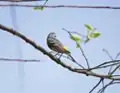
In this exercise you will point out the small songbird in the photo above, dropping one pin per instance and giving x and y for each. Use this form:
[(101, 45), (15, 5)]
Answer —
[(55, 45)]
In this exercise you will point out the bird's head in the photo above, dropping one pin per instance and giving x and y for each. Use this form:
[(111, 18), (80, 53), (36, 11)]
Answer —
[(52, 35)]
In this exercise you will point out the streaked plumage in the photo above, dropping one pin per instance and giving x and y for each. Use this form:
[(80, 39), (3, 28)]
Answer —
[(54, 44)]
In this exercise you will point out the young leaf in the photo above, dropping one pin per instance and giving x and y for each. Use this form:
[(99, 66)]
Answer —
[(75, 37), (39, 8), (88, 26), (95, 34)]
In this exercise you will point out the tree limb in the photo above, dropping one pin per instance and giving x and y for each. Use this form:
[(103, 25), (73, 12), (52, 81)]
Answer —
[(19, 60), (62, 6), (56, 60)]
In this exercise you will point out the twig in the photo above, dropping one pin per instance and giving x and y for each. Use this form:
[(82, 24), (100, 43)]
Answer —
[(108, 54), (104, 63), (73, 60), (115, 69), (111, 59), (84, 57), (19, 60), (102, 89), (104, 66), (117, 55), (73, 32), (103, 85), (110, 83), (96, 85), (63, 6), (69, 32), (20, 0)]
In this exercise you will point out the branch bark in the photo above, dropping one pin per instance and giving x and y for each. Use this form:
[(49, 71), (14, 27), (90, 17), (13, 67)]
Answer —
[(62, 6), (19, 60), (20, 0)]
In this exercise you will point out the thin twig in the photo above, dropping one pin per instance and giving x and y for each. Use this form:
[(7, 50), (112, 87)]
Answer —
[(110, 83), (103, 85), (104, 63), (111, 59), (63, 6), (84, 57), (102, 89), (104, 66), (21, 0), (73, 32), (96, 85), (108, 54), (117, 55), (19, 60), (115, 69), (69, 32)]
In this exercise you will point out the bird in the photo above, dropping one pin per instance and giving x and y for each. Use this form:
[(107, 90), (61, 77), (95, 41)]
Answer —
[(57, 46)]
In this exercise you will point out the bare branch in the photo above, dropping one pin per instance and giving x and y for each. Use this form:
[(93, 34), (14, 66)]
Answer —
[(96, 85), (103, 85), (19, 60), (108, 54), (103, 88), (73, 32), (117, 67), (20, 0), (110, 83), (63, 6), (84, 57), (117, 55), (105, 64)]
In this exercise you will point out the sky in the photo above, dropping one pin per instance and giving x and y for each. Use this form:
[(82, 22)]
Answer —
[(47, 76)]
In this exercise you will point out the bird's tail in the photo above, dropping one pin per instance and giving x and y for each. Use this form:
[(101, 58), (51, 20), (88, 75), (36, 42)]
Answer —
[(75, 61)]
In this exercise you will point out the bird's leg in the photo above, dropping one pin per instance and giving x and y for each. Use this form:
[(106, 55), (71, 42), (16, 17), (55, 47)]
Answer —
[(68, 57), (56, 54), (60, 55)]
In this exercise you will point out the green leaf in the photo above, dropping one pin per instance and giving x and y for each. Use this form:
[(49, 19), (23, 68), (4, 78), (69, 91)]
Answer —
[(39, 8), (88, 26), (95, 34), (75, 37)]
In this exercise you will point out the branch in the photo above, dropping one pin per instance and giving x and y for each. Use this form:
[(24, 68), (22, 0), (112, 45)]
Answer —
[(108, 54), (110, 83), (56, 60), (20, 0), (117, 55), (115, 69), (84, 57), (101, 79), (62, 6), (19, 60), (106, 64)]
